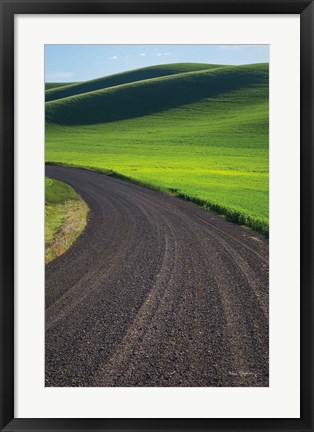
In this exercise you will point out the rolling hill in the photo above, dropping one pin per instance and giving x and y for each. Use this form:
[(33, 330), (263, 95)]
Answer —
[(124, 78), (53, 85), (199, 131), (148, 96)]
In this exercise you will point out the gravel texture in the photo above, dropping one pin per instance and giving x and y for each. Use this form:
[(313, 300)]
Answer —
[(155, 292)]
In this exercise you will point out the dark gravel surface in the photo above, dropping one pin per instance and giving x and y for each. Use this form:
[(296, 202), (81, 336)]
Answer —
[(155, 292)]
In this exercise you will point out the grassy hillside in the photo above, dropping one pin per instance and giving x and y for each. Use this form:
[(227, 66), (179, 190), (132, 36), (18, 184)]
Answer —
[(124, 78), (51, 85), (202, 135), (65, 217), (153, 95)]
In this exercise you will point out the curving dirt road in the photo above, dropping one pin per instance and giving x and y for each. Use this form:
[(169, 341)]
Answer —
[(155, 292)]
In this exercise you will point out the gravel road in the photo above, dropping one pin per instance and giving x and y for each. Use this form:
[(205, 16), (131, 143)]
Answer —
[(155, 292)]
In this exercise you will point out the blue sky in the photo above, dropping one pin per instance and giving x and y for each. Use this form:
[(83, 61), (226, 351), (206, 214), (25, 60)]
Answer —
[(66, 63)]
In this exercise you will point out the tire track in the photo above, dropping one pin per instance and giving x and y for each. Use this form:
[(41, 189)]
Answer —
[(155, 292)]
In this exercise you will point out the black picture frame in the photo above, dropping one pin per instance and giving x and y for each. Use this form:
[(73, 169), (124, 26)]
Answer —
[(7, 11)]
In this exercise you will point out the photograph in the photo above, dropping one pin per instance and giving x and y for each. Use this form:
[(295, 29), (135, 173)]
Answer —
[(156, 215), (156, 201)]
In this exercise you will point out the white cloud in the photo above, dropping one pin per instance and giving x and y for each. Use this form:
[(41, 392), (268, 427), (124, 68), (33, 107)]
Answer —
[(159, 54), (142, 55), (113, 58), (167, 54), (164, 54), (59, 76)]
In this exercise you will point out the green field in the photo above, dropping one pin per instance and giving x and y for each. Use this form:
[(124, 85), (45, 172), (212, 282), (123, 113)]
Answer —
[(65, 217), (201, 133)]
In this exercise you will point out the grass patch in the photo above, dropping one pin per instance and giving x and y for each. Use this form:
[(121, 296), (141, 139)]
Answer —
[(202, 136), (65, 218)]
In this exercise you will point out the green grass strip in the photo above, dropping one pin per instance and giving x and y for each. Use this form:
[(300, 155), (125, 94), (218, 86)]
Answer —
[(65, 218), (232, 215)]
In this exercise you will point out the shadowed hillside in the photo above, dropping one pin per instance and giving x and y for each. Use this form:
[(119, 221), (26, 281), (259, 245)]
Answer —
[(54, 85), (124, 78), (153, 95)]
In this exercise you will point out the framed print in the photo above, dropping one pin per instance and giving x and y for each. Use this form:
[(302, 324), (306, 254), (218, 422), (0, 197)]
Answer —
[(156, 208)]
